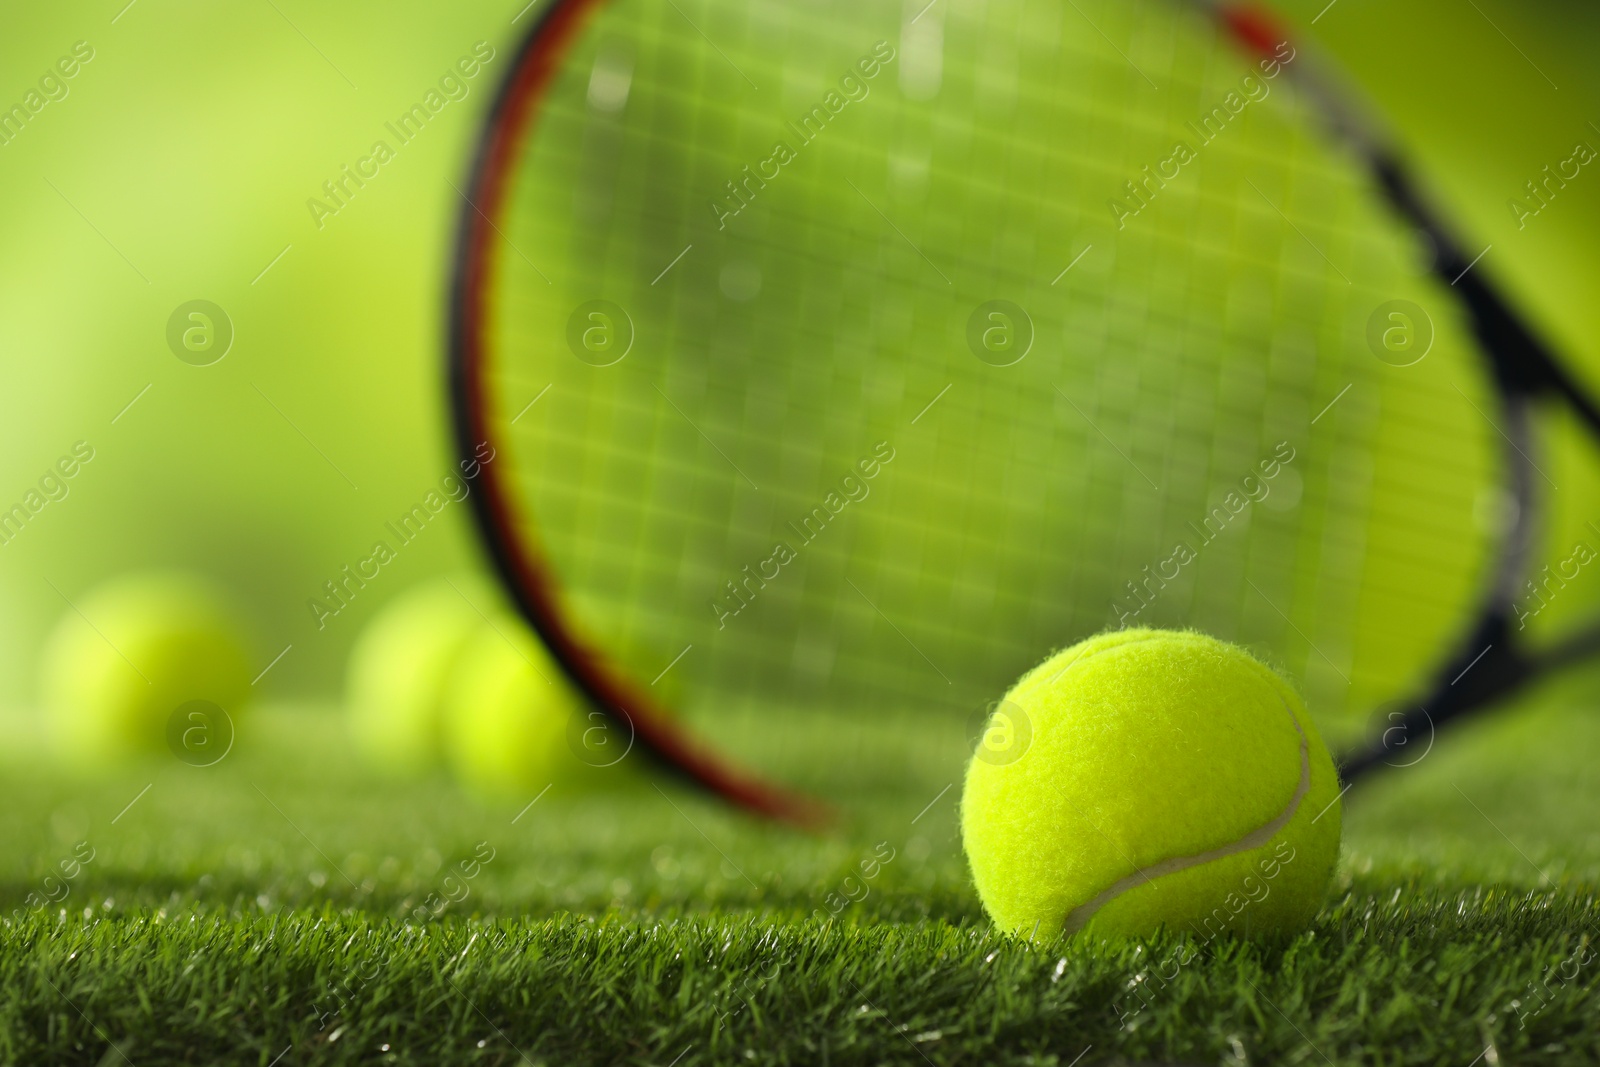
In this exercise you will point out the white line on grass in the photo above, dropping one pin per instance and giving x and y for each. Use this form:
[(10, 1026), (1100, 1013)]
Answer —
[(931, 803), (1290, 1021), (1332, 402), (269, 266), (131, 803), (303, 834), (671, 665), (674, 263), (1474, 263), (1331, 803), (130, 403), (932, 402), (702, 833), (271, 665), (531, 803), (1074, 263), (1543, 877), (530, 404), (1471, 665)]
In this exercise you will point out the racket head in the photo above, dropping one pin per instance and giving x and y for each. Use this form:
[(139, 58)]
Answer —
[(845, 362)]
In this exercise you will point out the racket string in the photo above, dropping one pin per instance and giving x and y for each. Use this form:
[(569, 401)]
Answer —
[(786, 342)]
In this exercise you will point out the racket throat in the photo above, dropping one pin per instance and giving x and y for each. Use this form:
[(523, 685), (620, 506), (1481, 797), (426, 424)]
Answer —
[(1488, 667)]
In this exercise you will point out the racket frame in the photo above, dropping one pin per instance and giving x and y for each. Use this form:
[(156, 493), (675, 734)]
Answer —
[(524, 571), (1486, 664)]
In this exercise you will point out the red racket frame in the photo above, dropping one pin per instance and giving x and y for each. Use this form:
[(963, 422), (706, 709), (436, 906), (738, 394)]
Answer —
[(526, 572)]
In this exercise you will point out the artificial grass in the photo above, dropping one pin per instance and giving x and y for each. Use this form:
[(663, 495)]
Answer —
[(266, 910), (1415, 976)]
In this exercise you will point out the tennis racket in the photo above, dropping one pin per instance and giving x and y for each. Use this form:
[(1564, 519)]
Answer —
[(843, 360)]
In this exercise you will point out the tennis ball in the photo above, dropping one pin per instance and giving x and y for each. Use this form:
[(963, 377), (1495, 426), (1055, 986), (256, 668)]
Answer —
[(1145, 779), (149, 662), (511, 717), (400, 669)]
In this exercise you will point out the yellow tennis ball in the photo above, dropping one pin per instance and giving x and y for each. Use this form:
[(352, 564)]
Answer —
[(400, 670), (512, 720), (1145, 779), (148, 663)]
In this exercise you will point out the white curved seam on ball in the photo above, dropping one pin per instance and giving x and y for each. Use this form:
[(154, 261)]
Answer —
[(1079, 916)]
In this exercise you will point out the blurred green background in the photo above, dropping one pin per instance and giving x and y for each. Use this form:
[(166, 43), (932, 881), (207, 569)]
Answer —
[(179, 166)]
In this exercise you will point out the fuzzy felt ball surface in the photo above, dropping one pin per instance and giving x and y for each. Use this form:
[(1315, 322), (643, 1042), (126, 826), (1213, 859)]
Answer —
[(1148, 779)]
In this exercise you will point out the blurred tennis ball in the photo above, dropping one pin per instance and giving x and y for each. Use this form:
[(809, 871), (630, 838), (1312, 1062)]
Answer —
[(514, 724), (147, 662), (1145, 779), (400, 669)]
